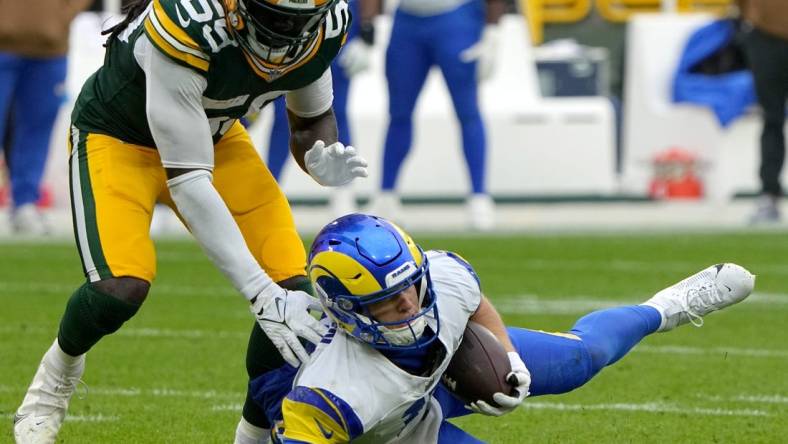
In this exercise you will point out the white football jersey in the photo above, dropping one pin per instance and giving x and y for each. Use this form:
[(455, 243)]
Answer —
[(390, 405)]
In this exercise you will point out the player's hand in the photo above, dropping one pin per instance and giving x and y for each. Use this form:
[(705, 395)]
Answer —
[(484, 53), (520, 378), (283, 315), (354, 57), (334, 165)]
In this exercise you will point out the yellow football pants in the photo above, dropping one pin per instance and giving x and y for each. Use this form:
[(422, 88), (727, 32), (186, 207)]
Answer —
[(115, 186)]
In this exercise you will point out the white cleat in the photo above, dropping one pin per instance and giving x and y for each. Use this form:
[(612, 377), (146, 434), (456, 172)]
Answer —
[(28, 220), (481, 212), (42, 411), (710, 290), (341, 201), (386, 205)]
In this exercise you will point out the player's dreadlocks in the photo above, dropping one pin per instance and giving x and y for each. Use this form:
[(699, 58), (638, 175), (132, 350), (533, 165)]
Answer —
[(132, 9)]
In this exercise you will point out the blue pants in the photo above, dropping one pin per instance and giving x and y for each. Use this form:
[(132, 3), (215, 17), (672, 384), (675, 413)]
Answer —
[(31, 92), (417, 43), (559, 364)]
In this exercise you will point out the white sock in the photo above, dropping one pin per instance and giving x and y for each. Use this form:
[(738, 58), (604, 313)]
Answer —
[(247, 433), (60, 359)]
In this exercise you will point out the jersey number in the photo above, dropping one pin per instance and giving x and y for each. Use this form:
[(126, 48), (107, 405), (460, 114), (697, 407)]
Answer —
[(337, 20), (200, 11)]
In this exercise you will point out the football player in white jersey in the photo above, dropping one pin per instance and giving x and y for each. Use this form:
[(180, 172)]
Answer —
[(397, 315)]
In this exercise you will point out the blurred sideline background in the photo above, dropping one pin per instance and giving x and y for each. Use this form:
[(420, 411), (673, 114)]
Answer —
[(582, 131)]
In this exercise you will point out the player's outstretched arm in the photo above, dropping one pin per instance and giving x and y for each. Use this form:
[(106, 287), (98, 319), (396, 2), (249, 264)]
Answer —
[(519, 377), (183, 137), (313, 136)]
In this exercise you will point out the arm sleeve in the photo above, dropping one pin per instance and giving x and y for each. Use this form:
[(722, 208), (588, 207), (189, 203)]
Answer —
[(317, 416), (313, 99), (183, 138), (213, 226), (177, 120)]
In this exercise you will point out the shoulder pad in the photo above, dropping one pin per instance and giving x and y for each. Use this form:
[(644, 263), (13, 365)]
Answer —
[(316, 415), (464, 263), (188, 31), (338, 22)]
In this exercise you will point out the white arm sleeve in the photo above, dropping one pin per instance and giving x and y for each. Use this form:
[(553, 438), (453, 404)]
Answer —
[(211, 223), (176, 117), (183, 137), (313, 99)]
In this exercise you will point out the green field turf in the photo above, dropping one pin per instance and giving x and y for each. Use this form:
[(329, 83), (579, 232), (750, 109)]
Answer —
[(174, 373)]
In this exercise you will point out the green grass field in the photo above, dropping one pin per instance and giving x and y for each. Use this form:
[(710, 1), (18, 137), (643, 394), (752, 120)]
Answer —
[(175, 372)]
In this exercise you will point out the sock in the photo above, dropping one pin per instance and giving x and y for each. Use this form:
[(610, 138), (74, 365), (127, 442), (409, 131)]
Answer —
[(60, 359), (247, 433), (90, 315)]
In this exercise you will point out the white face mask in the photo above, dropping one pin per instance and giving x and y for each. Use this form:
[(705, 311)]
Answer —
[(274, 55), (403, 335)]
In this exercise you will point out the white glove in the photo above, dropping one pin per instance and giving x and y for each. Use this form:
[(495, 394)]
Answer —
[(282, 315), (334, 165), (354, 57), (484, 52), (520, 377)]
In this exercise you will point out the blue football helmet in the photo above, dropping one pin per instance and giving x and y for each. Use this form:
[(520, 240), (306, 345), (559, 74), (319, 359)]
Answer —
[(359, 260)]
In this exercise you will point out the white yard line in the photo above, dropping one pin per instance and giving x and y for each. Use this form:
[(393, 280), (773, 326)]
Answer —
[(189, 334), (516, 303), (759, 399), (645, 407), (77, 418), (223, 334), (155, 392), (717, 350), (579, 304), (227, 407)]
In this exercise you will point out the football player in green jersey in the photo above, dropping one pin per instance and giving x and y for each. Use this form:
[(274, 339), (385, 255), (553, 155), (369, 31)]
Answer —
[(158, 122)]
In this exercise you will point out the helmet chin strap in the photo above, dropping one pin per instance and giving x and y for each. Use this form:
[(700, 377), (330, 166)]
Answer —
[(406, 334)]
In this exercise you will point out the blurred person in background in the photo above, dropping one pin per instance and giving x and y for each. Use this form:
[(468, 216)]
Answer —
[(765, 24), (34, 37), (461, 38), (353, 58)]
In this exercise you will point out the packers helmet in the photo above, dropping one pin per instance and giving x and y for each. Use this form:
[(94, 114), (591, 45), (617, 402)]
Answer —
[(359, 260), (276, 33)]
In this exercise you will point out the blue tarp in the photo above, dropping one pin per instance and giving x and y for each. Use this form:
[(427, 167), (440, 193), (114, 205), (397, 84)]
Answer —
[(727, 94)]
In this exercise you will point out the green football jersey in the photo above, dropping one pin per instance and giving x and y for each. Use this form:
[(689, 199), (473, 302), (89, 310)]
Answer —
[(194, 33)]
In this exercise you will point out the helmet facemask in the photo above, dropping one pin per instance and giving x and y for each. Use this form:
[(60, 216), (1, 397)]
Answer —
[(353, 312), (275, 35)]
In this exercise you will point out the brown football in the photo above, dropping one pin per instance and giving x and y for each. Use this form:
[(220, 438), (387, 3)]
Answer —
[(479, 367)]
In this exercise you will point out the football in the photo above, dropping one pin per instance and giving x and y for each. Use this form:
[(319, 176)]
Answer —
[(479, 367)]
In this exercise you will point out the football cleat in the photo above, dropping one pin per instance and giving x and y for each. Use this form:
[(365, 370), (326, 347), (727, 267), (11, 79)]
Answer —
[(28, 220), (481, 212), (712, 289), (41, 414), (386, 205)]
